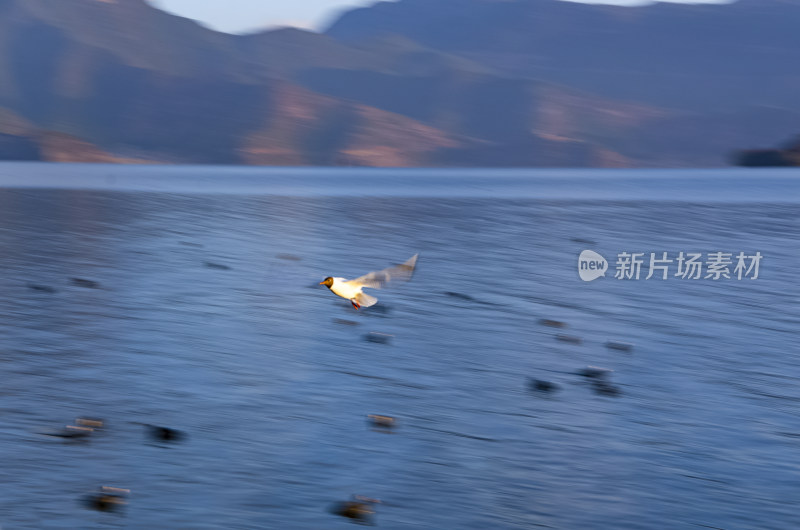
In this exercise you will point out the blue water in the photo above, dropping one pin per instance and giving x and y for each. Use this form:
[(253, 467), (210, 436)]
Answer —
[(271, 376), (701, 185)]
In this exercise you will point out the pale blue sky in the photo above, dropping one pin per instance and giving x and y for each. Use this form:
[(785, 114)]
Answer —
[(239, 16)]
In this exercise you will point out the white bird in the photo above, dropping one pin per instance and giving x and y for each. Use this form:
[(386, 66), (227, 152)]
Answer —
[(351, 289)]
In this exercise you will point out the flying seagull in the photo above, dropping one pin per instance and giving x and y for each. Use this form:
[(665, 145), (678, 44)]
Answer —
[(351, 289)]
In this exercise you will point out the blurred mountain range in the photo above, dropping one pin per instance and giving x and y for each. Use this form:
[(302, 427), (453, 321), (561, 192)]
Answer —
[(413, 82)]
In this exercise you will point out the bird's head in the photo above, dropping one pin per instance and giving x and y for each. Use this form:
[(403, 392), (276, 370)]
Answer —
[(327, 282)]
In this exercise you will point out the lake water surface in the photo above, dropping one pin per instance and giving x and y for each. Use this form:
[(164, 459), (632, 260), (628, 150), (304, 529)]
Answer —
[(207, 317)]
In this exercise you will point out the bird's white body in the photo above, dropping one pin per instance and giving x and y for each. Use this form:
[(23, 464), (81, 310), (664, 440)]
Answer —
[(352, 289), (345, 289)]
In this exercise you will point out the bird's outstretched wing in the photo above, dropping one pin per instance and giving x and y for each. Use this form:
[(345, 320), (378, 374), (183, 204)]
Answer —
[(365, 300), (398, 273)]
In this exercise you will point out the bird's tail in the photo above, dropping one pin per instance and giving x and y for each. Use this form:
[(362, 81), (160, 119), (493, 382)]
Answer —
[(365, 300)]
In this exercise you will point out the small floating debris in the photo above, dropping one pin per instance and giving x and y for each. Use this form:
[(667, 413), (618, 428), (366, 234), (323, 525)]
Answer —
[(571, 339), (378, 337), (218, 266), (595, 372), (107, 499), (600, 380), (83, 282), (382, 422), (289, 257), (460, 296), (552, 323), (344, 322), (72, 432), (619, 346), (359, 509), (81, 431), (93, 423), (164, 434), (41, 288), (540, 385)]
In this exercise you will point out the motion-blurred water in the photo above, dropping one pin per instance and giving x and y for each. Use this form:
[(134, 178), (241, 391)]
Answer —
[(271, 376)]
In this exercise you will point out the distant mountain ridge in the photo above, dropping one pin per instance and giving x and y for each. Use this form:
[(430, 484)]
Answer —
[(787, 156), (685, 55), (20, 140), (414, 82)]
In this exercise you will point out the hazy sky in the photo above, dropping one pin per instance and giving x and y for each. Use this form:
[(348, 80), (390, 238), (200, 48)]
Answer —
[(237, 16)]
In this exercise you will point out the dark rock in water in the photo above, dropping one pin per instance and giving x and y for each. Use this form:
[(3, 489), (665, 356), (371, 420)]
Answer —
[(104, 503), (460, 296), (73, 432), (594, 372), (107, 499), (540, 385), (377, 337), (83, 282), (552, 323), (571, 339), (344, 322), (619, 346), (604, 388), (218, 266), (42, 288), (164, 434), (599, 378), (381, 422), (359, 509), (289, 257)]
